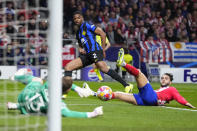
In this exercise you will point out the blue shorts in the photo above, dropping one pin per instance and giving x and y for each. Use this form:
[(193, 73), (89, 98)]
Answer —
[(146, 96)]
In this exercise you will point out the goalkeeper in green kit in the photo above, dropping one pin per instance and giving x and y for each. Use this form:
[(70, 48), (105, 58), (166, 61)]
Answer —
[(34, 97)]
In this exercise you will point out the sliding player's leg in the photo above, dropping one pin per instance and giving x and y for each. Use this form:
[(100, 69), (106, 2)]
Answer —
[(139, 76), (146, 95), (126, 97), (104, 68)]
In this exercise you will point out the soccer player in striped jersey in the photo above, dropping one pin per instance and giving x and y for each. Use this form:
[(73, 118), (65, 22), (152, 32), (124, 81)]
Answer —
[(98, 39), (34, 97), (91, 51), (147, 96)]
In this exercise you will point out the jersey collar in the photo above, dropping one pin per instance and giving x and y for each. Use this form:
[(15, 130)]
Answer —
[(82, 25)]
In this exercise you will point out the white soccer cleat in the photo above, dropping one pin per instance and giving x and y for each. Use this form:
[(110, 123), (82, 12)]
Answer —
[(99, 110), (12, 106)]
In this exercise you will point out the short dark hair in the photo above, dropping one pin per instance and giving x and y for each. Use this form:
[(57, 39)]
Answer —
[(78, 12), (170, 75), (66, 83)]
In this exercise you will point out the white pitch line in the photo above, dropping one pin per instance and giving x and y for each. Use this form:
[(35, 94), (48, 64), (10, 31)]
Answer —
[(175, 108), (82, 104)]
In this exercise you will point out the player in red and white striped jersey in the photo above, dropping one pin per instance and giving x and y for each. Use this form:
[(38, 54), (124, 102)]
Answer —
[(147, 96)]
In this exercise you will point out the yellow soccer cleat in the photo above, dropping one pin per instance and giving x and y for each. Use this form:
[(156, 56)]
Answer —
[(129, 88), (120, 57)]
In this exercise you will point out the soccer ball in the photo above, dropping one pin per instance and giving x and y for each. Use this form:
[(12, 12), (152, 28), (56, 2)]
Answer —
[(104, 93)]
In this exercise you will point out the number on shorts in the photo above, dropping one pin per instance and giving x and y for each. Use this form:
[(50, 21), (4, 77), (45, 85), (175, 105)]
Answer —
[(95, 56)]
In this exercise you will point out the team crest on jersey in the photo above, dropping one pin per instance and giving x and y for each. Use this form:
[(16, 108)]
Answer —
[(83, 33)]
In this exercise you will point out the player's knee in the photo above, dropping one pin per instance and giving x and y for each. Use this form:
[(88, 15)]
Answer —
[(67, 68), (103, 68), (140, 72)]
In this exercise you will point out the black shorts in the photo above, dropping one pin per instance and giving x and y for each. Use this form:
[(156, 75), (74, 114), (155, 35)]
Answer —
[(92, 57)]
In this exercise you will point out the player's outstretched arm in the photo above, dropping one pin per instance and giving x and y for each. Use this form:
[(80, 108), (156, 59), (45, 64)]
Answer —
[(190, 105), (69, 113), (85, 91), (108, 44), (12, 106), (180, 99)]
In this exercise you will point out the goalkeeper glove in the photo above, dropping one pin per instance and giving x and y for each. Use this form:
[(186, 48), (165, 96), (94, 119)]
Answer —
[(97, 112)]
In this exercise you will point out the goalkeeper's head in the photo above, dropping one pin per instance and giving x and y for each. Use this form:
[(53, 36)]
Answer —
[(66, 84)]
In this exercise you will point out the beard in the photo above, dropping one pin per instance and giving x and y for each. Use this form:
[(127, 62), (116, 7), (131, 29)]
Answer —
[(166, 85)]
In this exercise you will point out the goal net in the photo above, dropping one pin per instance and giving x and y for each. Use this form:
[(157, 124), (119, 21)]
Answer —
[(23, 43)]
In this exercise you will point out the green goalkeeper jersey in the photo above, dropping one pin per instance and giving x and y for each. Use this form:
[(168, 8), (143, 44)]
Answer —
[(34, 99)]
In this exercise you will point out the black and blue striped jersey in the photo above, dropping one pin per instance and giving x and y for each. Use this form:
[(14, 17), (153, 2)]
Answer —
[(87, 38)]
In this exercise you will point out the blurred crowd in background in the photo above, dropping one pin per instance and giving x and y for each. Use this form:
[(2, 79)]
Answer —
[(174, 20), (23, 32), (25, 22)]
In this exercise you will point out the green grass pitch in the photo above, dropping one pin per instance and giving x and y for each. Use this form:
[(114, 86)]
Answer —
[(118, 116)]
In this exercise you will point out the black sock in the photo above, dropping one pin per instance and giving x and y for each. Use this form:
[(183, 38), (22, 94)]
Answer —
[(68, 73), (115, 76)]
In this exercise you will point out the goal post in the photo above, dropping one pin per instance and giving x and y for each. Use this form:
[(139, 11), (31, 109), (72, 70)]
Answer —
[(55, 64), (30, 34)]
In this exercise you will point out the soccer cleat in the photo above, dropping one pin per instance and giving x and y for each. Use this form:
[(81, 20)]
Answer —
[(100, 81), (120, 60), (129, 88), (12, 106), (86, 86)]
